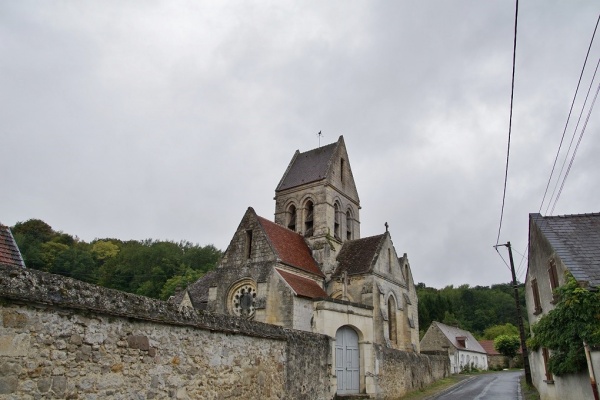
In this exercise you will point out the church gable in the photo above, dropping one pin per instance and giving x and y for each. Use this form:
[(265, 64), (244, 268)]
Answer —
[(249, 243)]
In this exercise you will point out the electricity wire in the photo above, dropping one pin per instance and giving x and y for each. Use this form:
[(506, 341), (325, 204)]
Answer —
[(576, 148), (569, 115), (512, 92), (572, 139)]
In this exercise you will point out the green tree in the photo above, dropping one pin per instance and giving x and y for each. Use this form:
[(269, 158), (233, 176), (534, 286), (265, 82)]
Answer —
[(574, 320), (507, 345), (494, 331), (179, 282)]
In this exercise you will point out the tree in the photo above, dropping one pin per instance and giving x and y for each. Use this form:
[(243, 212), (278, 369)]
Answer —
[(179, 282), (507, 345), (574, 320), (494, 331)]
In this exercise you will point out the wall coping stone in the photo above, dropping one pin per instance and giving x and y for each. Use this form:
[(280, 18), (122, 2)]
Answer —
[(38, 287)]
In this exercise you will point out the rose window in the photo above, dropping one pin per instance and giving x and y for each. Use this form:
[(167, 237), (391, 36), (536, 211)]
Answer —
[(243, 301)]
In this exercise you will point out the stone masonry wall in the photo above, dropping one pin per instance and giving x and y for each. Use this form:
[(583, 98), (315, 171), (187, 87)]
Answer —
[(65, 339), (61, 338), (403, 372)]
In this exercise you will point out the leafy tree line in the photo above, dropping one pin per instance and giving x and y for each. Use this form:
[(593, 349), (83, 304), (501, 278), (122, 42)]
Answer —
[(485, 311), (150, 267)]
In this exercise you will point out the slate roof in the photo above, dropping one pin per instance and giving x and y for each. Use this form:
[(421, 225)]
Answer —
[(358, 256), (452, 332), (198, 291), (9, 252), (303, 287), (310, 166), (290, 247), (576, 240)]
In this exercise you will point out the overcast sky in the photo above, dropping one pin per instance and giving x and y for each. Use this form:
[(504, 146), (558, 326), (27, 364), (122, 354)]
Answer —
[(167, 119)]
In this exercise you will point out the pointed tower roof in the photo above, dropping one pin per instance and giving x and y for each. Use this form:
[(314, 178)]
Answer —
[(359, 256), (316, 165)]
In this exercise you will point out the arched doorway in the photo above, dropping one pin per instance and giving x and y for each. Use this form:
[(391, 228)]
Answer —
[(347, 361)]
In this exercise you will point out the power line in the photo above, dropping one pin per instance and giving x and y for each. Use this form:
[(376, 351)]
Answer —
[(572, 139), (576, 147), (569, 116), (512, 92)]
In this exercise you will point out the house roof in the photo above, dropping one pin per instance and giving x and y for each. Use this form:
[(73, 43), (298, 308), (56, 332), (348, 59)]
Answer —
[(290, 247), (9, 252), (488, 346), (310, 166), (303, 287), (453, 333), (576, 240), (358, 256)]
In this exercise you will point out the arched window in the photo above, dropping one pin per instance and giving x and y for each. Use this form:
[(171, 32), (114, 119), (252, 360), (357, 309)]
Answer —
[(392, 325), (291, 217), (308, 218), (336, 221), (348, 225)]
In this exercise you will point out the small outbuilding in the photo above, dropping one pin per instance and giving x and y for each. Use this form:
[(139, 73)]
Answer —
[(464, 350)]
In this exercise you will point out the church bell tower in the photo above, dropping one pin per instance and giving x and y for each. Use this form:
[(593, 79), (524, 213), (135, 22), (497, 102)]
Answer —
[(317, 198)]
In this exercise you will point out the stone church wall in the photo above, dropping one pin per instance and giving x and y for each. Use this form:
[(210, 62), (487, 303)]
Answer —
[(61, 338)]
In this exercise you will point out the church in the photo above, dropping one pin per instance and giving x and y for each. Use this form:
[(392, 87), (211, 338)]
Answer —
[(311, 270)]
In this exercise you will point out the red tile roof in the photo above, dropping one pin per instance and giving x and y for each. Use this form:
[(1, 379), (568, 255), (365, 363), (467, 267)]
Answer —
[(290, 247), (488, 346), (302, 286), (9, 252)]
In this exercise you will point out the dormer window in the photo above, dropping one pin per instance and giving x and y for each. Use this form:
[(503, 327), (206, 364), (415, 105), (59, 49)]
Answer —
[(308, 219), (462, 341)]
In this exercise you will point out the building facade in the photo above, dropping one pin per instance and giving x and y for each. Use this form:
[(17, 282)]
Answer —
[(311, 270), (557, 245), (464, 351)]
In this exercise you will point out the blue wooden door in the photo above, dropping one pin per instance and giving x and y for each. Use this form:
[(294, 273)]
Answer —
[(347, 361)]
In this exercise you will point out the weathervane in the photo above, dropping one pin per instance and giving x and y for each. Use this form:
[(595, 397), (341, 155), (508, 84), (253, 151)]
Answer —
[(319, 135)]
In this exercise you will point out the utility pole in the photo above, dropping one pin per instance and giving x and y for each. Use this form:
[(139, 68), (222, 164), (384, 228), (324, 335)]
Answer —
[(519, 316)]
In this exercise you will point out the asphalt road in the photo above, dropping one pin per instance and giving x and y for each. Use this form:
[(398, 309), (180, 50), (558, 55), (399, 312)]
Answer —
[(496, 386)]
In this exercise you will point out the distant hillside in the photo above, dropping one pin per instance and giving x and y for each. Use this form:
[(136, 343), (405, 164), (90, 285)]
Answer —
[(475, 309), (150, 268)]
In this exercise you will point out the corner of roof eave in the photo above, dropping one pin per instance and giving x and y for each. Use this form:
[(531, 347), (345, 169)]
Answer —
[(287, 170)]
